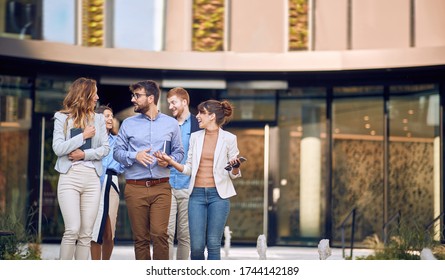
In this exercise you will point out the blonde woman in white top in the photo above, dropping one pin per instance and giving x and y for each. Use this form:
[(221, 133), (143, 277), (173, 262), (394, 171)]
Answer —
[(79, 163)]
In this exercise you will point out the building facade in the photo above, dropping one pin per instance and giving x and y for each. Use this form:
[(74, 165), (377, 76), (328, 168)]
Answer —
[(338, 103)]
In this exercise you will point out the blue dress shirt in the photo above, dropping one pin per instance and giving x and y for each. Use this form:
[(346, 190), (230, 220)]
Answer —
[(139, 133), (178, 180), (108, 162)]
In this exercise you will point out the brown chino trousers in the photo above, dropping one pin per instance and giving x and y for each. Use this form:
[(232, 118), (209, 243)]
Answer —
[(149, 212)]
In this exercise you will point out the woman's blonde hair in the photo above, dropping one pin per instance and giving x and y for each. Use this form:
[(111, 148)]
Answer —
[(78, 103)]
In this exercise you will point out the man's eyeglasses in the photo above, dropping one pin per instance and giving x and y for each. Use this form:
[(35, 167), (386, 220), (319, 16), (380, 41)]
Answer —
[(137, 95)]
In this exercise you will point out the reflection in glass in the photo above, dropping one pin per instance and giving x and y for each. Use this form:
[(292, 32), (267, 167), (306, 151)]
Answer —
[(246, 211), (298, 187), (144, 32), (15, 122), (414, 165), (357, 163), (50, 93), (358, 119), (252, 104), (21, 19), (59, 21)]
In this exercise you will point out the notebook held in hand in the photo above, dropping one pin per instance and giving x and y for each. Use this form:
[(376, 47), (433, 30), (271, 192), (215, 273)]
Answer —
[(167, 147), (87, 144)]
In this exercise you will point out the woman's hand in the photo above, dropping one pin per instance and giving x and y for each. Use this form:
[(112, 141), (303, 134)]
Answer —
[(163, 158), (234, 165), (76, 155), (89, 132), (162, 162)]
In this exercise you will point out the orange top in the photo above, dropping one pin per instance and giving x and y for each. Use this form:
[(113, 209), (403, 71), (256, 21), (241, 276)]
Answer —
[(204, 176)]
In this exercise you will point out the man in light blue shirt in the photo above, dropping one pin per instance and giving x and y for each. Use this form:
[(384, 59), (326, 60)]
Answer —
[(147, 190), (178, 102)]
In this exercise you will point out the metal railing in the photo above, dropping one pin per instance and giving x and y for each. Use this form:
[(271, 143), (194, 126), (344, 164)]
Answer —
[(390, 221), (429, 225), (6, 233), (342, 227)]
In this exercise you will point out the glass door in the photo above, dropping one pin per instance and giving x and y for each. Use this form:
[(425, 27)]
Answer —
[(255, 109), (246, 218), (50, 92), (50, 218), (298, 167)]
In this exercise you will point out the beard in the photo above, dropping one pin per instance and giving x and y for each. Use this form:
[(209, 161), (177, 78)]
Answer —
[(141, 109), (178, 112)]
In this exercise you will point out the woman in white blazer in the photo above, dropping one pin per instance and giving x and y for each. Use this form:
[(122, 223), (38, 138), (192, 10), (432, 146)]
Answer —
[(80, 141), (210, 151)]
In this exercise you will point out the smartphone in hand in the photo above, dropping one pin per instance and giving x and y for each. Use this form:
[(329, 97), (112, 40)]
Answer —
[(236, 165)]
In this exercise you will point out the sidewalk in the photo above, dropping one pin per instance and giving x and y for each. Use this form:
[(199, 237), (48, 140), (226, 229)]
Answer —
[(125, 252)]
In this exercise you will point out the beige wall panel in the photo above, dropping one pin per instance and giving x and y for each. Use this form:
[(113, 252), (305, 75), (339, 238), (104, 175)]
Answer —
[(258, 25), (223, 61), (429, 23), (178, 29), (331, 25), (380, 24)]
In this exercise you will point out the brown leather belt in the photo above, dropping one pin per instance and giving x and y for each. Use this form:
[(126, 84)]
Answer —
[(147, 182)]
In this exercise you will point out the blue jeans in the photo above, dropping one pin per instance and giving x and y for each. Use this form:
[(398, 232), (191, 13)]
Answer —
[(208, 214)]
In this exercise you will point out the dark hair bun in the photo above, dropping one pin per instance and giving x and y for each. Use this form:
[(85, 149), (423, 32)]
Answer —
[(227, 108)]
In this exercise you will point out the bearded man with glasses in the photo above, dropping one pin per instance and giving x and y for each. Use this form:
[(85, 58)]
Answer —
[(147, 190)]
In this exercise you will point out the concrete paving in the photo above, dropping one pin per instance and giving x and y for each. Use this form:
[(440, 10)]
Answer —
[(125, 252)]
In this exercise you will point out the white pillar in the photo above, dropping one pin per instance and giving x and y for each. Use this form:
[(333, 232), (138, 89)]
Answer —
[(310, 184), (437, 187)]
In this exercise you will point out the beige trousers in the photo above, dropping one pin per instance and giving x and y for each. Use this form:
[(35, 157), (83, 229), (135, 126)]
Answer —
[(179, 224), (78, 194)]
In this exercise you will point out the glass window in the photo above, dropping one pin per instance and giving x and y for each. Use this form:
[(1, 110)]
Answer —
[(20, 19), (50, 93), (358, 118), (252, 104), (59, 21), (357, 161), (288, 111), (15, 102), (414, 149), (300, 164), (15, 122), (139, 25), (357, 90), (414, 111)]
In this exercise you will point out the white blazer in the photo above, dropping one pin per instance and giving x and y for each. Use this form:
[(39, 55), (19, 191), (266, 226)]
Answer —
[(63, 144), (226, 149)]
